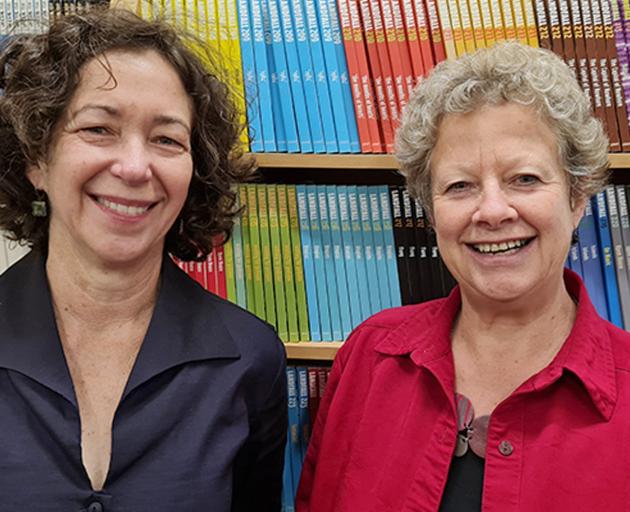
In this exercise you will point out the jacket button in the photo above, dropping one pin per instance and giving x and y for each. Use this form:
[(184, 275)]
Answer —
[(95, 506), (505, 448)]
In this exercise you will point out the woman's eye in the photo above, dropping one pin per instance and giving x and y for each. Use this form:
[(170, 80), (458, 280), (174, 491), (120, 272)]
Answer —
[(96, 130), (458, 186), (163, 140), (527, 179)]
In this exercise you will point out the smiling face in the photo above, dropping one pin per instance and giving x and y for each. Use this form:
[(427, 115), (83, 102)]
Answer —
[(120, 161), (502, 211)]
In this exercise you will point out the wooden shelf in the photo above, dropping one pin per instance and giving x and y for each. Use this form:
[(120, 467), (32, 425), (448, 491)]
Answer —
[(380, 162), (313, 350)]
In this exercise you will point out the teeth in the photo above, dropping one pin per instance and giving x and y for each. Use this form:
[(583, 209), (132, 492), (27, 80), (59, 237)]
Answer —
[(131, 211), (497, 248)]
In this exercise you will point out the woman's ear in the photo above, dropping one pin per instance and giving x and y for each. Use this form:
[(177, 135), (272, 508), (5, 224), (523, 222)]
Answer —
[(578, 205), (36, 174)]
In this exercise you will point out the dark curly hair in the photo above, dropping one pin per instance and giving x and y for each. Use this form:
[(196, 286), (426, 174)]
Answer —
[(39, 75)]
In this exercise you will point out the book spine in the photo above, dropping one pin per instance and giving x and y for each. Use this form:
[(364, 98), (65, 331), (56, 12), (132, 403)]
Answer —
[(416, 286), (294, 72), (293, 333), (395, 58), (390, 247), (401, 245), (428, 276), (286, 99), (255, 247), (607, 259), (619, 253), (456, 26), (580, 50), (333, 74), (438, 39), (369, 93), (413, 41), (591, 266), (265, 253), (497, 21), (308, 77), (263, 75), (424, 34), (275, 245), (329, 263), (248, 260), (293, 408), (624, 222), (305, 423), (249, 78), (379, 246), (221, 277), (300, 270), (467, 26), (544, 38), (321, 77), (508, 19), (288, 487), (313, 399), (384, 90), (339, 262), (348, 254), (359, 253), (374, 287), (355, 75), (308, 262), (530, 23), (477, 24), (348, 103), (239, 262), (622, 53), (403, 45), (519, 22), (486, 20)]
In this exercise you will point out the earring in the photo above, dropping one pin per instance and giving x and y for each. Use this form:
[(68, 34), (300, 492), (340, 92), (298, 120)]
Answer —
[(38, 206)]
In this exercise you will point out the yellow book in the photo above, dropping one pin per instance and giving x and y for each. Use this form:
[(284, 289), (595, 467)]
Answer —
[(486, 20), (467, 26), (530, 23), (477, 23), (497, 20), (508, 19), (519, 21), (447, 29), (456, 25)]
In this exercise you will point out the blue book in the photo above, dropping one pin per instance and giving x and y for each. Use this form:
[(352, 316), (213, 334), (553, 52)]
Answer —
[(348, 102), (359, 252), (317, 245), (305, 420), (308, 77), (379, 247), (307, 262), (575, 259), (295, 78), (390, 247), (288, 487), (591, 266), (249, 78), (263, 80), (348, 253), (607, 258), (333, 75), (294, 424), (374, 288), (329, 264), (340, 263), (282, 77)]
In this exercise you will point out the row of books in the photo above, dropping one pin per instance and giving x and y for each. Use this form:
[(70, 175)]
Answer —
[(305, 389), (602, 254), (316, 260)]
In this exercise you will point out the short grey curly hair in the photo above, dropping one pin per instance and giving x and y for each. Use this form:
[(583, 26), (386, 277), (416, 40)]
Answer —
[(508, 72)]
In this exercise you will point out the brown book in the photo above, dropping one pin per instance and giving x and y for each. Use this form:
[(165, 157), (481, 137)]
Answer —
[(612, 63), (604, 70), (593, 62), (555, 28), (542, 22)]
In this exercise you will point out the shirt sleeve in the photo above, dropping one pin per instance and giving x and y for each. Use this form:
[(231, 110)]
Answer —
[(258, 471)]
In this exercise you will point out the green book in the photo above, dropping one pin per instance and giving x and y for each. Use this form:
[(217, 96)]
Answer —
[(276, 263), (228, 268), (254, 247), (239, 264), (265, 253), (287, 263), (298, 268), (247, 252)]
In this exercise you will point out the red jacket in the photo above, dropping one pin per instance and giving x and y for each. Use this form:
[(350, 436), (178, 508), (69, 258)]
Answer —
[(386, 430)]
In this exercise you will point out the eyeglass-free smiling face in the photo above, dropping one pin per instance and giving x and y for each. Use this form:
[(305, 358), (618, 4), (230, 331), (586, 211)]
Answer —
[(502, 211), (120, 162)]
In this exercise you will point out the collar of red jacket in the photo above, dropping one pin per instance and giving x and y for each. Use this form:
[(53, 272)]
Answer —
[(587, 353)]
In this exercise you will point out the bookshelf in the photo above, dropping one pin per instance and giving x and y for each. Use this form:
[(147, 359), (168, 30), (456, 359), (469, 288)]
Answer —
[(313, 350)]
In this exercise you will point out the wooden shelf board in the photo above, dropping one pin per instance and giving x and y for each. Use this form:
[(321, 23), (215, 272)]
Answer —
[(363, 161), (313, 350), (325, 161)]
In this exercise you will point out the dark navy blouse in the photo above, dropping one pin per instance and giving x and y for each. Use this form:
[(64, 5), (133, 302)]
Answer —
[(202, 420)]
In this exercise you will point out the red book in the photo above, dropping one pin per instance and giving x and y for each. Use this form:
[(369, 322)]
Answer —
[(423, 27), (413, 42), (322, 380), (394, 52), (355, 38), (437, 43), (389, 79), (313, 394), (211, 278), (354, 76), (221, 283)]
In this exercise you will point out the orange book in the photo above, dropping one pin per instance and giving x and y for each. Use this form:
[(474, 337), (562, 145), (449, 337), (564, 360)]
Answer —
[(437, 41), (371, 13), (413, 41), (393, 50), (355, 76), (404, 46), (424, 29)]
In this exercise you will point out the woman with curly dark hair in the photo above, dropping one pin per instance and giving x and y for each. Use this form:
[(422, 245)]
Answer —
[(125, 386)]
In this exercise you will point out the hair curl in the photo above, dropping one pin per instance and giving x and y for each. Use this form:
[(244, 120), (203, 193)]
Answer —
[(40, 74), (507, 72)]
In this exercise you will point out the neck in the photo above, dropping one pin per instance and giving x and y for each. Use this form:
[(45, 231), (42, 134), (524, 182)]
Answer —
[(88, 292)]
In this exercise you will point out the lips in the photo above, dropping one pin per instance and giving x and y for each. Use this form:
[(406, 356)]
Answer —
[(501, 247), (127, 209)]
